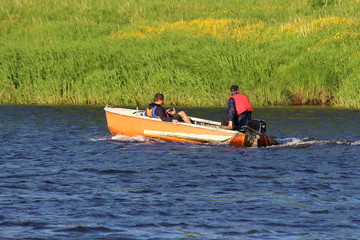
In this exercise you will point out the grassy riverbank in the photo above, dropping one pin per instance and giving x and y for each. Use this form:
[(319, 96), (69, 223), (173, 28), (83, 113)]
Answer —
[(279, 52)]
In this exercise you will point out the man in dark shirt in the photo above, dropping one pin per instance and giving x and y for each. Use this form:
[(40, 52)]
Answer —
[(156, 110)]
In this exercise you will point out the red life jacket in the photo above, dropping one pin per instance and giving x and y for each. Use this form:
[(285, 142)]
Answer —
[(242, 103)]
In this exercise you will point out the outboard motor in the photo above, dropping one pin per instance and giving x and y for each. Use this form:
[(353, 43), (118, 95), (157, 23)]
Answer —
[(257, 125)]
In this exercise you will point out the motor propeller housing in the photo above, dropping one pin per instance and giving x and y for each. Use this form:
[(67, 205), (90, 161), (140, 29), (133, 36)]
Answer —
[(257, 125)]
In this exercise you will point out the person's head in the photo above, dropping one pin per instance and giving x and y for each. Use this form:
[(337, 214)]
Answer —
[(159, 98), (234, 89)]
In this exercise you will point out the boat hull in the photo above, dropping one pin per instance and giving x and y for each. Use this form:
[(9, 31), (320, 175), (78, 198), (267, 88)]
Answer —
[(130, 122)]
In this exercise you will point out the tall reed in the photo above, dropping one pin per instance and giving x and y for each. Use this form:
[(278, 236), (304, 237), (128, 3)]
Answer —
[(123, 52)]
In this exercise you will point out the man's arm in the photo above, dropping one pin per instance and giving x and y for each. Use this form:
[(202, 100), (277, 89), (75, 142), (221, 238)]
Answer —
[(231, 109), (160, 111)]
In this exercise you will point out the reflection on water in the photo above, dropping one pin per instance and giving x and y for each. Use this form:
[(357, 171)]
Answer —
[(63, 176)]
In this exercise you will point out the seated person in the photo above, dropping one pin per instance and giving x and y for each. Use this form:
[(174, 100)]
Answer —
[(156, 110)]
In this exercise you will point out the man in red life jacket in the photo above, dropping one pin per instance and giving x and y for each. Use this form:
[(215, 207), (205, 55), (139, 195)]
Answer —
[(156, 110), (239, 110)]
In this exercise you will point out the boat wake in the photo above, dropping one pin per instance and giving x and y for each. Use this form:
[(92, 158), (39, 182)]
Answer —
[(98, 139), (123, 138), (308, 142), (282, 143)]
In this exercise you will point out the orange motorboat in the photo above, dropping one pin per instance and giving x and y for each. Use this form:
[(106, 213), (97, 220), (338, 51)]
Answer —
[(132, 122)]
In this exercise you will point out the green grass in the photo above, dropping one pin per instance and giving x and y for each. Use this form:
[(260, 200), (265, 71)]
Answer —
[(123, 52)]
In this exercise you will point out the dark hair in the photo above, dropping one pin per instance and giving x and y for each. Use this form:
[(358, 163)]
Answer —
[(158, 96), (234, 88)]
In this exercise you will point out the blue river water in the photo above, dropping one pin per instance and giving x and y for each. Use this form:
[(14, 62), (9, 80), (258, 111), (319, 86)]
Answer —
[(63, 176)]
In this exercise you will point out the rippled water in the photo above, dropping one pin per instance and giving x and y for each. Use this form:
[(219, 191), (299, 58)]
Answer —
[(63, 176)]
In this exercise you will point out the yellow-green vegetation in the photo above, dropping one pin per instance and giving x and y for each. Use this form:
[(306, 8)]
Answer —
[(121, 52)]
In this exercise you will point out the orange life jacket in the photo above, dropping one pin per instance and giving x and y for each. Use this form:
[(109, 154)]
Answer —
[(151, 112), (242, 103)]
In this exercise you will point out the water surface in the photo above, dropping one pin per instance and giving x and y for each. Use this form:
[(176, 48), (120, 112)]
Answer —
[(64, 177)]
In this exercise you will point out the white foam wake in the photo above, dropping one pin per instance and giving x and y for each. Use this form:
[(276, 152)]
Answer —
[(97, 139), (306, 142), (120, 138), (284, 142), (124, 138)]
